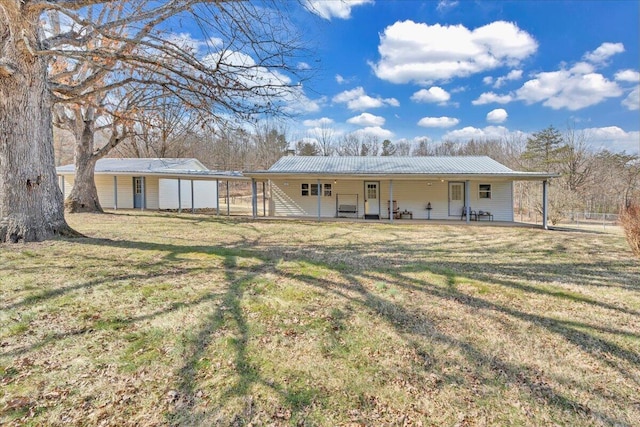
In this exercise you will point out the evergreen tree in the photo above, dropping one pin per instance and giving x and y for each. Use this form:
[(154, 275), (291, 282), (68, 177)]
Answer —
[(388, 148), (545, 150)]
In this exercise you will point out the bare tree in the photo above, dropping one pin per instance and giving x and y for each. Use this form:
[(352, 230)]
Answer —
[(422, 149), (325, 136), (271, 144), (246, 71)]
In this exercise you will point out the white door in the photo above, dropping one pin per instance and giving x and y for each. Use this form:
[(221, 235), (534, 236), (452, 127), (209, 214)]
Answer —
[(456, 198), (371, 198)]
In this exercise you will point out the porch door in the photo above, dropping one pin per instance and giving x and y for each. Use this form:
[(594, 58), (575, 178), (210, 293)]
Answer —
[(138, 192), (371, 198), (456, 198)]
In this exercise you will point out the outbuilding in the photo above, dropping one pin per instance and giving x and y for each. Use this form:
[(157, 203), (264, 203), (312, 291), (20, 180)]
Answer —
[(153, 183)]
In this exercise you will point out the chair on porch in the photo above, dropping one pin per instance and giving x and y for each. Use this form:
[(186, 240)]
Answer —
[(396, 209), (473, 216)]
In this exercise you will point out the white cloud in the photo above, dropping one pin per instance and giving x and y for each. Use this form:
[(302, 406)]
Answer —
[(339, 79), (392, 101), (422, 53), (433, 94), (513, 75), (614, 138), (487, 80), (375, 131), (603, 52), (329, 9), (499, 115), (297, 101), (303, 66), (444, 5), (632, 101), (272, 83), (489, 132), (631, 76), (324, 121), (572, 89), (356, 99), (490, 97), (438, 122), (367, 119)]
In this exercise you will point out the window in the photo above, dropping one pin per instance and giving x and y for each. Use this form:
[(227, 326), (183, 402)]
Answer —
[(315, 189), (372, 191), (484, 191)]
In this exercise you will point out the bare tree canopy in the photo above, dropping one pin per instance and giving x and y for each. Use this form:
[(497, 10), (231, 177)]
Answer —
[(110, 58)]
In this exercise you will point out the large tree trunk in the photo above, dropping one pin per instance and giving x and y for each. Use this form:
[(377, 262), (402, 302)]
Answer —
[(31, 207), (84, 194)]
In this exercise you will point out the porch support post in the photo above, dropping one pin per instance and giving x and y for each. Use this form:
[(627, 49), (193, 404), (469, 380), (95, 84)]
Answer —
[(193, 199), (228, 211), (115, 192), (179, 196), (264, 199), (254, 198), (467, 200), (545, 201), (319, 199), (391, 200), (217, 198), (61, 178)]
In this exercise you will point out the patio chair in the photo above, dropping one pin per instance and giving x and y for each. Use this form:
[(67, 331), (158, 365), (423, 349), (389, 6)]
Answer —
[(473, 216)]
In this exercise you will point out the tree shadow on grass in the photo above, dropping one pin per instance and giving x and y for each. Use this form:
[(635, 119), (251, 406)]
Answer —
[(226, 311), (413, 323)]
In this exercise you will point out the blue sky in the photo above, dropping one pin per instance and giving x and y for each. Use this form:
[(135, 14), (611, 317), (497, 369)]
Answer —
[(405, 70)]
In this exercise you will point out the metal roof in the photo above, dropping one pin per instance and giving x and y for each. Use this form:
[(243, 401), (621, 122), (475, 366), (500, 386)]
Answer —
[(386, 165), (169, 167), (396, 166), (142, 165)]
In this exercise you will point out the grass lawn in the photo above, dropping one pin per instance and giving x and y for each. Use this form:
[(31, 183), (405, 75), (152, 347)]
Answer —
[(159, 319)]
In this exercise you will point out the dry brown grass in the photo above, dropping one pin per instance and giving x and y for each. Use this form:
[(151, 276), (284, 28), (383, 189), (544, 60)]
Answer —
[(196, 320)]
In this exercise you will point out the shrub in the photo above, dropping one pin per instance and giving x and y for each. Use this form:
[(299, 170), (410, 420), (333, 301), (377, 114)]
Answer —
[(630, 220)]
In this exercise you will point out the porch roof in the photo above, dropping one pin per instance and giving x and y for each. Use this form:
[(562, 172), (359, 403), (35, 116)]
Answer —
[(396, 167), (188, 168)]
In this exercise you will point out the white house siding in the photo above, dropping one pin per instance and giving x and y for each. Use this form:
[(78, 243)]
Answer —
[(501, 203), (68, 184), (205, 194), (288, 200), (151, 190), (104, 185), (411, 195)]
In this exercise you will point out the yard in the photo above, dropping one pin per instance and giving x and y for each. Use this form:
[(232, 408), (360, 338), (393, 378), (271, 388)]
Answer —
[(200, 320)]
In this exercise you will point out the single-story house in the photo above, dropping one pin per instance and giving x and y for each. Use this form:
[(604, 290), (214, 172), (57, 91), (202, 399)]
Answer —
[(153, 183), (469, 188)]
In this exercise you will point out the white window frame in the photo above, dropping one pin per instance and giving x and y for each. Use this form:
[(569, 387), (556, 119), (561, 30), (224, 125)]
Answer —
[(312, 189), (484, 193), (327, 190)]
